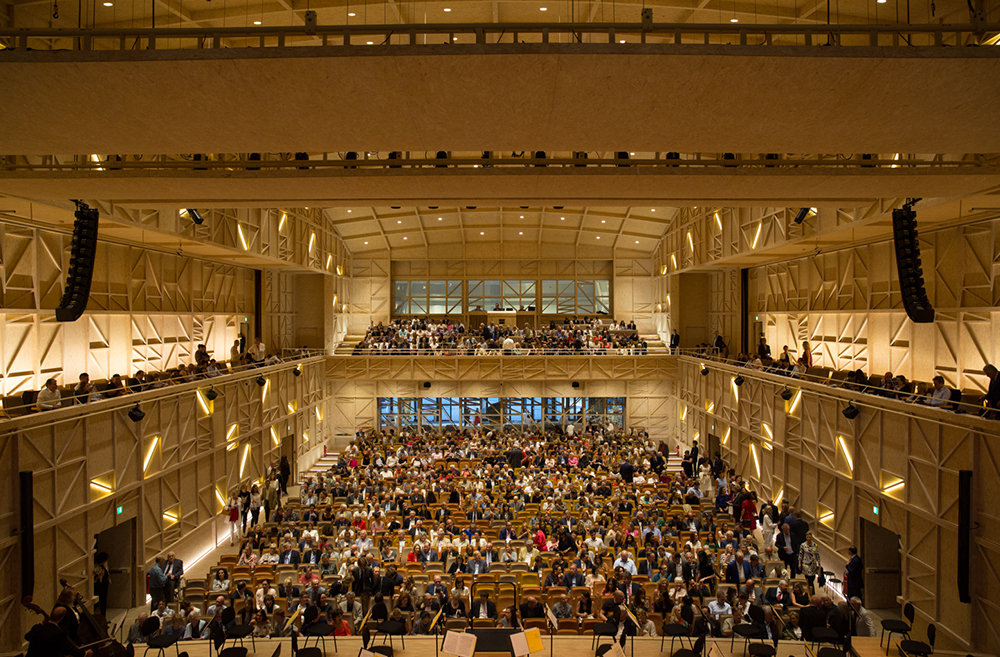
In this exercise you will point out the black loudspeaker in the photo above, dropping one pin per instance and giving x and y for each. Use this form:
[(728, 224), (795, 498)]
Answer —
[(911, 276), (310, 18), (964, 531), (351, 155), (539, 155), (395, 155), (198, 157), (442, 155), (253, 157), (83, 251), (865, 157), (576, 384), (621, 155), (27, 505), (647, 17), (427, 384), (729, 156)]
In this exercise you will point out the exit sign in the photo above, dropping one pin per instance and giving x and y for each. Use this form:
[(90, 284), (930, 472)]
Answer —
[(119, 510), (874, 510)]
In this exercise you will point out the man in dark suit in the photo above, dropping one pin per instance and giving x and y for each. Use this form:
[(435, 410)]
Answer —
[(442, 513), (788, 547), (992, 396), (627, 471), (311, 556), (514, 457), (675, 341), (289, 556), (811, 617), (474, 515), (733, 575), (778, 596), (629, 588), (436, 588), (363, 579), (649, 565), (531, 609), (574, 577), (173, 569), (484, 607), (477, 565)]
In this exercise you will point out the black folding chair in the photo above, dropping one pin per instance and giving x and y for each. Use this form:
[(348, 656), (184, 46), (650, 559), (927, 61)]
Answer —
[(236, 632), (318, 630), (893, 626), (159, 642)]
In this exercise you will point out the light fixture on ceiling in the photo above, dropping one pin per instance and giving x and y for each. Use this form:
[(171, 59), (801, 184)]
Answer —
[(348, 212), (652, 209), (734, 20), (399, 221), (440, 219), (405, 238), (562, 218), (482, 233), (598, 237), (371, 43), (622, 41), (366, 242), (351, 13), (544, 9), (520, 233), (454, 38), (109, 4), (602, 221), (522, 216), (256, 22), (637, 241), (447, 8)]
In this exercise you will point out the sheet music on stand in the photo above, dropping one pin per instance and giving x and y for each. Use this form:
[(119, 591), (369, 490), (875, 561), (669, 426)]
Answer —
[(526, 642), (552, 617), (459, 644), (616, 650), (435, 621)]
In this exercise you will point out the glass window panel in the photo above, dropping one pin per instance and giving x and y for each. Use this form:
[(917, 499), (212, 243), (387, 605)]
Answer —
[(418, 288), (437, 307), (402, 288), (437, 288), (454, 288), (418, 306), (549, 288)]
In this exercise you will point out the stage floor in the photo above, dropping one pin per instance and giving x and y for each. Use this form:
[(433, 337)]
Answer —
[(563, 646)]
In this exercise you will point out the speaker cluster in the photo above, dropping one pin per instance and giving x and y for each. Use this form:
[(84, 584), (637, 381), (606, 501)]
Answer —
[(911, 276), (83, 251)]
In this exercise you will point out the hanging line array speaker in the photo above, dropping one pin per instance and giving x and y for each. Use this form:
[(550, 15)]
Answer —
[(83, 251), (911, 276)]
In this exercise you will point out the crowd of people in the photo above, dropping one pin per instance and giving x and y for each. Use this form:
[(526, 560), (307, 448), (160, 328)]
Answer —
[(85, 391), (406, 525), (453, 338), (934, 393)]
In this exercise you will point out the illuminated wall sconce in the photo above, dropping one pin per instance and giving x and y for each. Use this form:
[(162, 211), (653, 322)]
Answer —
[(756, 237), (243, 459), (847, 454), (171, 515), (319, 415), (205, 405), (756, 459), (794, 404), (293, 406), (781, 494), (684, 414), (222, 498), (340, 270), (825, 515), (102, 486), (725, 437), (274, 436), (149, 453), (243, 239)]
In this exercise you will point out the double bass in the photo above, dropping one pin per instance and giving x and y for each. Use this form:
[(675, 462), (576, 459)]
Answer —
[(93, 631)]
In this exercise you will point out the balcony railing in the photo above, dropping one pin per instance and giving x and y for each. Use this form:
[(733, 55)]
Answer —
[(622, 36)]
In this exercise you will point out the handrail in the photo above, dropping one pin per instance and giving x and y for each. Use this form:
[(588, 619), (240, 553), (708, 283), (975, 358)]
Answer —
[(855, 397), (471, 353), (111, 167), (132, 397), (126, 39)]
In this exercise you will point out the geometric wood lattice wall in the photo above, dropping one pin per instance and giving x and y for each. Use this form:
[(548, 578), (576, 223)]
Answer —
[(847, 304), (194, 451), (834, 470)]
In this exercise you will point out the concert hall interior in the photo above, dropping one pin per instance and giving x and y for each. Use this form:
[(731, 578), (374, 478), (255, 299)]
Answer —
[(664, 325)]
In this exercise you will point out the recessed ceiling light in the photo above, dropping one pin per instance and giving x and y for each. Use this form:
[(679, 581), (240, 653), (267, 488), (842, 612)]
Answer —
[(109, 4), (562, 218), (256, 22), (544, 9), (405, 238), (637, 241), (348, 212), (366, 242), (454, 38), (447, 8), (652, 209), (351, 13), (622, 41), (631, 153), (602, 221), (598, 237), (481, 233), (522, 216), (371, 43), (400, 221), (520, 233), (734, 20), (439, 218)]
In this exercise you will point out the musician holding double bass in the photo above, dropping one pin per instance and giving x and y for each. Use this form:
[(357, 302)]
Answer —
[(48, 639)]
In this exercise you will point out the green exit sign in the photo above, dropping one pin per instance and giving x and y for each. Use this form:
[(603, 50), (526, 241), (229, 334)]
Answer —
[(874, 510), (119, 510)]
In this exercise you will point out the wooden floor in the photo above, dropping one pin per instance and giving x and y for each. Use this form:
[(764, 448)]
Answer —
[(562, 646)]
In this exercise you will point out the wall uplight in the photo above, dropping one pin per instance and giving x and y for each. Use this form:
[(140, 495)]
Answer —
[(312, 241), (736, 389), (756, 459), (725, 437), (718, 221), (847, 455), (690, 242), (243, 239), (150, 452), (243, 460), (894, 487), (281, 224), (795, 402), (274, 436), (673, 259), (218, 496), (756, 236)]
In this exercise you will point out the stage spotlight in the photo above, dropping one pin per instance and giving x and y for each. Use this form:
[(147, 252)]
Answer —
[(296, 372), (211, 394), (738, 380), (261, 381), (195, 216), (803, 214), (851, 411), (135, 414), (786, 394), (704, 371)]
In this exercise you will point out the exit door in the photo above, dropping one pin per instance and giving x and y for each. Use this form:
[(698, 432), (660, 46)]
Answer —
[(883, 566), (119, 543)]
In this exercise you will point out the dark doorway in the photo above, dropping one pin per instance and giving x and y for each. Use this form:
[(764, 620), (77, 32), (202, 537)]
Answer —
[(119, 543), (883, 566)]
